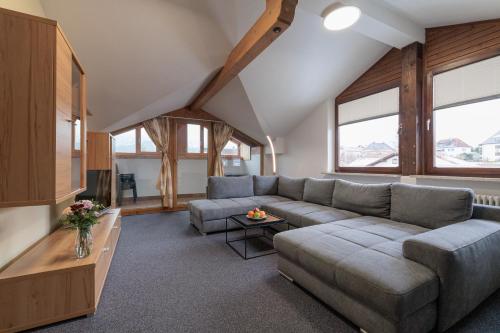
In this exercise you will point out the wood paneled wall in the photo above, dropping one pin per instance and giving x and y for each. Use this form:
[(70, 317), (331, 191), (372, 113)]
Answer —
[(384, 74), (457, 45)]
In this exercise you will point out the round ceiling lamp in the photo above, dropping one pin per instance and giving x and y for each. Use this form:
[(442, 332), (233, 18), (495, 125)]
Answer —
[(339, 16)]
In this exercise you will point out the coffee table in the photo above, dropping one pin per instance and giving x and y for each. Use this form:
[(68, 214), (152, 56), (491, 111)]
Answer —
[(247, 224)]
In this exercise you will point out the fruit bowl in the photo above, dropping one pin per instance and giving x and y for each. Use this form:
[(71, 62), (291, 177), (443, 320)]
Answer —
[(256, 218), (256, 215)]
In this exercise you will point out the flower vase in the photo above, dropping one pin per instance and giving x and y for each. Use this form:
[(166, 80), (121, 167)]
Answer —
[(83, 242)]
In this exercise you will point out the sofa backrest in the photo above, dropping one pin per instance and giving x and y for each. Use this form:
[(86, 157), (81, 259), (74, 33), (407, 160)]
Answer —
[(230, 187), (430, 206), (365, 199), (292, 188), (319, 191), (265, 185)]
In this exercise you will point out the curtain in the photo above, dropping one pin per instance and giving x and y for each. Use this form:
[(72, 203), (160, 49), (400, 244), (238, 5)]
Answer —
[(158, 130), (221, 135), (104, 187)]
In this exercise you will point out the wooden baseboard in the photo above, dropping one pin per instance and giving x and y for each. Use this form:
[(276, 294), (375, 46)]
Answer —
[(151, 210)]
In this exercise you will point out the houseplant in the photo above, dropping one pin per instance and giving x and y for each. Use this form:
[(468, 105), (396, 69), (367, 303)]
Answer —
[(82, 215)]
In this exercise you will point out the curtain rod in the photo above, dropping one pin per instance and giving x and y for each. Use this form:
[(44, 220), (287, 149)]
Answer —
[(197, 119)]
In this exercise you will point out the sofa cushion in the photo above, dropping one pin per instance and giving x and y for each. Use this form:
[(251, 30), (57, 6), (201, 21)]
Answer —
[(267, 199), (213, 209), (292, 188), (326, 215), (396, 287), (265, 185), (347, 254), (292, 211), (319, 191), (230, 187), (430, 206), (365, 199)]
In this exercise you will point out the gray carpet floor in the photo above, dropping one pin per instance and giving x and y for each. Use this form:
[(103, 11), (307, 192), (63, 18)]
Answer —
[(165, 277)]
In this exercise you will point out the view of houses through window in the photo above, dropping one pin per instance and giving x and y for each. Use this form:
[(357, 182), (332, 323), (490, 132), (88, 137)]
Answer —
[(468, 136), (370, 143)]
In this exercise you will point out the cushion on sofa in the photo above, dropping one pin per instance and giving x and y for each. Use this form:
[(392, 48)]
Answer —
[(230, 187), (292, 188), (369, 266), (365, 199), (213, 209), (319, 191), (292, 211), (265, 185), (430, 206)]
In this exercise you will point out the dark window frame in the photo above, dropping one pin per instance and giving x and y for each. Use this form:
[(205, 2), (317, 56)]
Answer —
[(369, 170), (428, 118)]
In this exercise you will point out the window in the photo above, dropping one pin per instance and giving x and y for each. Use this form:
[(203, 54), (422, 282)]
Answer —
[(232, 149), (370, 143), (367, 133), (205, 140), (76, 135), (147, 145), (126, 142), (192, 139), (467, 136), (463, 127), (135, 143)]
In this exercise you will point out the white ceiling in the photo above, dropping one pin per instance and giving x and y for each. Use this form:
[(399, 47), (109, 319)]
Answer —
[(148, 57)]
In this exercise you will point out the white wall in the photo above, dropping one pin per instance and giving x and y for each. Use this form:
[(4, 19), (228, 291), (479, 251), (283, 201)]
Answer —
[(33, 7), (307, 145), (192, 176), (21, 227)]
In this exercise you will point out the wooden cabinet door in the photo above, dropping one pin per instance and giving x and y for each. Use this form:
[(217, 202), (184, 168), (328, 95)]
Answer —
[(64, 120), (26, 111), (98, 151)]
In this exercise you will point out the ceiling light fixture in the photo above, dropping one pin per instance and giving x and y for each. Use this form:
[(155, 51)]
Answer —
[(339, 16)]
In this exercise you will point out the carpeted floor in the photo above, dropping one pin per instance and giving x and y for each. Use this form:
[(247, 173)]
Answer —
[(165, 277)]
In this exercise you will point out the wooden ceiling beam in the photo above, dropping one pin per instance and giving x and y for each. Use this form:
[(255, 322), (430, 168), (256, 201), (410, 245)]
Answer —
[(276, 18)]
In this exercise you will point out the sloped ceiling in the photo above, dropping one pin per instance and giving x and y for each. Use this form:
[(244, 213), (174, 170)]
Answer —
[(148, 57), (140, 55)]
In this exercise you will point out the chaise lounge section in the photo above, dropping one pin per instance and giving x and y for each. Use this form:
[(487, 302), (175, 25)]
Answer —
[(390, 257)]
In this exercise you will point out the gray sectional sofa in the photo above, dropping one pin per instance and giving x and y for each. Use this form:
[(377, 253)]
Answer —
[(390, 257)]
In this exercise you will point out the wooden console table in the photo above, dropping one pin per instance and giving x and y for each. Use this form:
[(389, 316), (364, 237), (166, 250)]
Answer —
[(48, 284)]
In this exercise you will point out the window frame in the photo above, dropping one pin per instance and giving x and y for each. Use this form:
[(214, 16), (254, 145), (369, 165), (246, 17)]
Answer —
[(427, 126), (185, 155), (138, 153), (233, 157), (368, 170)]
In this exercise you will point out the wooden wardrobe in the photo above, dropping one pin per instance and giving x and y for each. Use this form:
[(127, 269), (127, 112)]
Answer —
[(42, 113)]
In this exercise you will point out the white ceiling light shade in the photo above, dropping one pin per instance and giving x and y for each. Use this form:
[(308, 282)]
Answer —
[(338, 16)]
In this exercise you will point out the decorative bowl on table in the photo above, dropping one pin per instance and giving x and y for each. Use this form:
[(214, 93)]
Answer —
[(256, 215)]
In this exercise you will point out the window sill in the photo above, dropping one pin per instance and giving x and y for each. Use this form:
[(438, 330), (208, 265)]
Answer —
[(455, 178), (391, 175)]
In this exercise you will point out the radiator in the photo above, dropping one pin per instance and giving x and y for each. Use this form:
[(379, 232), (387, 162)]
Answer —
[(487, 199)]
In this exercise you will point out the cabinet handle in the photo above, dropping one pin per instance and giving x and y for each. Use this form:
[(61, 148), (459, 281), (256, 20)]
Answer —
[(106, 249)]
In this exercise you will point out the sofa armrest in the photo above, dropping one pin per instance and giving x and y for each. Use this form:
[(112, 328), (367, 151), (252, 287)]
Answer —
[(465, 257), (486, 212)]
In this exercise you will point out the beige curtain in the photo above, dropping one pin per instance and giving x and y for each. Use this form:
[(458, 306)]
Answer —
[(221, 134), (158, 130)]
